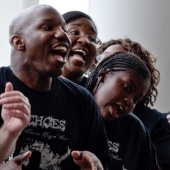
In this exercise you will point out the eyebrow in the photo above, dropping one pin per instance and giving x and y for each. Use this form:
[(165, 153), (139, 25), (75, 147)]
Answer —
[(91, 28), (51, 19)]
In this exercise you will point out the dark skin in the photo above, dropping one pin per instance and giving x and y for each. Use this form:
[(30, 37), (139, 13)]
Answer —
[(119, 92), (16, 162), (40, 46), (108, 51), (111, 50), (42, 53), (15, 114), (84, 159), (82, 34)]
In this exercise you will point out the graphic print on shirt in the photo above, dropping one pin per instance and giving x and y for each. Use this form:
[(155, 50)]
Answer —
[(114, 150), (47, 139)]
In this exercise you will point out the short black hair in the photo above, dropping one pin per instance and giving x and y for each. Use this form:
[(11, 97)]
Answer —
[(73, 15)]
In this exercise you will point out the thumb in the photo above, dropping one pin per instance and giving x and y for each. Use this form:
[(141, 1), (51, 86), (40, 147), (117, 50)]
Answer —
[(76, 154), (8, 87), (21, 158)]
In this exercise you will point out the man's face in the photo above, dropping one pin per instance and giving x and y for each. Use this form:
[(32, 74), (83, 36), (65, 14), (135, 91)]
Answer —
[(46, 42)]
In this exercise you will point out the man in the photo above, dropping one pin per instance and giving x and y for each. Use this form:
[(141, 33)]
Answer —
[(64, 116)]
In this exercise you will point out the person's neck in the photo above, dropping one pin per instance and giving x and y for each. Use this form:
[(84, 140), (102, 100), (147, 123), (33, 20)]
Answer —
[(33, 81), (73, 79), (71, 76)]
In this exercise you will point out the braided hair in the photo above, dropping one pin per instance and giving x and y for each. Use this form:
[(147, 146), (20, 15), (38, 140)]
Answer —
[(120, 61), (146, 56)]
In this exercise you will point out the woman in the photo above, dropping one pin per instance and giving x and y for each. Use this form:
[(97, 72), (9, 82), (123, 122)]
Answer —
[(82, 32), (155, 121), (118, 83)]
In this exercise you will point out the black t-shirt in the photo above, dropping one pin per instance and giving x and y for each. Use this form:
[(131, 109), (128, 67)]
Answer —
[(83, 81), (129, 144), (63, 119), (159, 130)]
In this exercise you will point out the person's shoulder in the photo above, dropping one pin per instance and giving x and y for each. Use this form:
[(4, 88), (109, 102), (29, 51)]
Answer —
[(73, 87), (4, 69), (131, 120), (127, 123), (83, 81), (148, 112), (69, 83), (4, 74), (152, 118)]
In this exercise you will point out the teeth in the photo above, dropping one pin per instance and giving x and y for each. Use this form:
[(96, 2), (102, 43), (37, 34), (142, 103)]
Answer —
[(120, 107), (116, 115), (60, 48), (81, 51)]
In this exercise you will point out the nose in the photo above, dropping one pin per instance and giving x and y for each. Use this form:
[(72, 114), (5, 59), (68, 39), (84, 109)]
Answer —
[(129, 102), (83, 38), (61, 34)]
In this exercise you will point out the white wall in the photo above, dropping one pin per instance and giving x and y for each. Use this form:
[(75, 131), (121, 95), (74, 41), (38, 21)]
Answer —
[(68, 5), (146, 21), (8, 9)]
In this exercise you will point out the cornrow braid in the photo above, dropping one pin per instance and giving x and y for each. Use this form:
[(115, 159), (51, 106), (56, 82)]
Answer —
[(146, 56), (120, 61)]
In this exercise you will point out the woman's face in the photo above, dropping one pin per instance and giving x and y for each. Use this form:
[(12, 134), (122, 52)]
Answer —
[(83, 34), (119, 93), (108, 51)]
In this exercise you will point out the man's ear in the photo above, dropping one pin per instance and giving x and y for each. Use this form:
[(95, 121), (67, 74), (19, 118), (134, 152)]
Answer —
[(18, 42)]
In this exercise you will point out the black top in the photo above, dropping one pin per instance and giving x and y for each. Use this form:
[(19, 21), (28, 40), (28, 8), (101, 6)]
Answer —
[(83, 81), (63, 119), (159, 130), (130, 145)]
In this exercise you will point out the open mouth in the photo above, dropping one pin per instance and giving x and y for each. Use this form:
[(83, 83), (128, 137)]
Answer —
[(117, 110), (59, 51), (79, 53)]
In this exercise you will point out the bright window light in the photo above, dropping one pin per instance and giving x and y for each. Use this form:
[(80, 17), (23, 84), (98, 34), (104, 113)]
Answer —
[(68, 5)]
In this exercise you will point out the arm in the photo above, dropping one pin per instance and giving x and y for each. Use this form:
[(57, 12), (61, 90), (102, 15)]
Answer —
[(16, 116), (15, 163), (86, 160)]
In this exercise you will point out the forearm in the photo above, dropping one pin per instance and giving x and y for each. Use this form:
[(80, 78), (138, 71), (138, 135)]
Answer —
[(7, 143)]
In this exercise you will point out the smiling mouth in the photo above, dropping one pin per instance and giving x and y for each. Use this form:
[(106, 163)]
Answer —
[(79, 53), (116, 111), (59, 51), (113, 110)]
